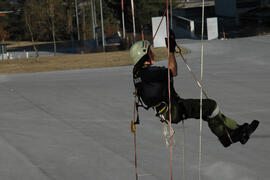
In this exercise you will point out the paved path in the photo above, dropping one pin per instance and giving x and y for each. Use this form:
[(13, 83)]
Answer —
[(75, 125)]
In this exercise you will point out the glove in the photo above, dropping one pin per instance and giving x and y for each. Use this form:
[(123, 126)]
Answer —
[(172, 41)]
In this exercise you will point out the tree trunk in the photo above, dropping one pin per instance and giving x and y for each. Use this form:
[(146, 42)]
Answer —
[(69, 20), (52, 20), (32, 37), (83, 24), (53, 34)]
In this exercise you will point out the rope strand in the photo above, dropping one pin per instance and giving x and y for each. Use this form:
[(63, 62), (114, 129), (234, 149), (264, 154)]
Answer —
[(159, 24), (193, 74), (135, 147), (169, 91), (201, 92), (183, 151)]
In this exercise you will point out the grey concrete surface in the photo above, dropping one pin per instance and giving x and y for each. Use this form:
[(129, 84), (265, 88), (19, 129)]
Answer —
[(75, 125)]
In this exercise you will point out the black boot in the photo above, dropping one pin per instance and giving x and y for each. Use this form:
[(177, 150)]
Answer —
[(240, 134), (248, 131), (243, 132)]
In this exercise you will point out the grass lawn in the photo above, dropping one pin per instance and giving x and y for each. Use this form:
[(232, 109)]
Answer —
[(77, 61)]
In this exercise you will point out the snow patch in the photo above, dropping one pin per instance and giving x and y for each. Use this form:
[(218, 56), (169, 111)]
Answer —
[(227, 171)]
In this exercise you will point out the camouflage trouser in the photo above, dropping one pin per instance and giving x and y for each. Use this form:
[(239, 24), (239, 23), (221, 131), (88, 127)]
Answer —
[(190, 108)]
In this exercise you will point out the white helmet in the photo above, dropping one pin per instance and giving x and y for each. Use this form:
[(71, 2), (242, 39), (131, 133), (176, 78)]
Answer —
[(138, 50)]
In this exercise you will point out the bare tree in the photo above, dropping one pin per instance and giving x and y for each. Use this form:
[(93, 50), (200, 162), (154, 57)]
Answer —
[(27, 21), (84, 31), (70, 19), (51, 13)]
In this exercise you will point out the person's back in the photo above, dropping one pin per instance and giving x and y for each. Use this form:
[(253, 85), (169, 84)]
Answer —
[(153, 87)]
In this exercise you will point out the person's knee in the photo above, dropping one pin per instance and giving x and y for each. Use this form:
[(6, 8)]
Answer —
[(213, 108), (211, 103)]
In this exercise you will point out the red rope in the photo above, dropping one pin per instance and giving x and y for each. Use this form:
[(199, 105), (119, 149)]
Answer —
[(169, 90), (159, 24), (135, 153), (132, 8), (170, 120)]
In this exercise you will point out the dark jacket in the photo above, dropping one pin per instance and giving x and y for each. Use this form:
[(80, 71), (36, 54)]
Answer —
[(151, 83)]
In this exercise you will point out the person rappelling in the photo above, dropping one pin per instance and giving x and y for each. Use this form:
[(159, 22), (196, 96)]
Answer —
[(151, 88)]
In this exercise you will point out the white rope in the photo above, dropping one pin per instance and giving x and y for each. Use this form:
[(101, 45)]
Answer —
[(201, 93), (192, 73), (167, 135), (183, 151)]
